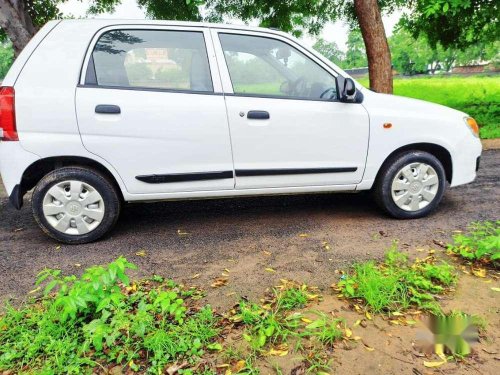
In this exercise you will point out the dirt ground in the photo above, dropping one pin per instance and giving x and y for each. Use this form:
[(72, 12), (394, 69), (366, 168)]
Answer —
[(382, 347), (304, 238)]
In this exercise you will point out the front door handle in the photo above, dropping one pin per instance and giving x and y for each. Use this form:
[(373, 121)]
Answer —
[(108, 109), (258, 115)]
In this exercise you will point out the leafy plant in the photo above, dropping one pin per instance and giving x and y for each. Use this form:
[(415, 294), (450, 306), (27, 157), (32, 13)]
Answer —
[(481, 243), (101, 317), (397, 284), (326, 329), (293, 298)]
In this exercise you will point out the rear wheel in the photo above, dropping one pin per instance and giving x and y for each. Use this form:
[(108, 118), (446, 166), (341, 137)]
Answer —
[(75, 205), (411, 185)]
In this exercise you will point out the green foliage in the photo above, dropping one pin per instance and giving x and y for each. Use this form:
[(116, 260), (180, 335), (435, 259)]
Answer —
[(265, 326), (330, 50), (326, 329), (6, 58), (179, 10), (355, 56), (454, 23), (293, 298), (101, 317), (396, 284), (481, 243), (411, 56)]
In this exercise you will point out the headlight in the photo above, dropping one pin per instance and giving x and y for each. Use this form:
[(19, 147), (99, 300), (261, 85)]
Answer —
[(472, 124)]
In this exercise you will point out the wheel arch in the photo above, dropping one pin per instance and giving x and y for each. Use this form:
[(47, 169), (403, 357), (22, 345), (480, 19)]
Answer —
[(441, 153), (36, 171)]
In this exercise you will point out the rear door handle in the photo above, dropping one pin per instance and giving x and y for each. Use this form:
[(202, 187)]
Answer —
[(258, 115), (107, 109)]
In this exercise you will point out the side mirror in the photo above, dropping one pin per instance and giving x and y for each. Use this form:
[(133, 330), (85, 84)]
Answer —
[(349, 90)]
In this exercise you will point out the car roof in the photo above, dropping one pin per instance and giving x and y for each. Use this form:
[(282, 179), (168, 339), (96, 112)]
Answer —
[(113, 21)]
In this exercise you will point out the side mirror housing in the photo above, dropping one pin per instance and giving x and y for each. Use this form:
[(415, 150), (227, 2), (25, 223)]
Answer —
[(348, 91)]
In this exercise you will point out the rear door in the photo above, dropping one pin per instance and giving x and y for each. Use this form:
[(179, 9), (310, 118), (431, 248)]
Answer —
[(149, 103), (288, 128)]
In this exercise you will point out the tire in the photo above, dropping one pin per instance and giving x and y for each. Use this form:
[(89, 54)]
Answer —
[(414, 199), (75, 205)]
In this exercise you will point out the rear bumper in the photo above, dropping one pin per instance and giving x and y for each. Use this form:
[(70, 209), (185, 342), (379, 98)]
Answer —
[(14, 160)]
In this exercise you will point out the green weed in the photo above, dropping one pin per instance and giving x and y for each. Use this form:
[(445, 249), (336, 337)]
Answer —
[(396, 284), (100, 318), (481, 243)]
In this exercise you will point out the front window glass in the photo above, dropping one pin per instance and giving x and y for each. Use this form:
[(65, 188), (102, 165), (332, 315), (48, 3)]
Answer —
[(266, 66), (153, 59)]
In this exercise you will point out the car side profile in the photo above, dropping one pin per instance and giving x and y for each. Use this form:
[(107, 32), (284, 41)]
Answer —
[(95, 113)]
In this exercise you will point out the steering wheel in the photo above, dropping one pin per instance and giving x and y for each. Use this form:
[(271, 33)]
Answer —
[(299, 86), (328, 90)]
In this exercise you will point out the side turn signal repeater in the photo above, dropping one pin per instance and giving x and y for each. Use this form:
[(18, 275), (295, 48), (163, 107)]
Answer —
[(473, 126), (387, 125)]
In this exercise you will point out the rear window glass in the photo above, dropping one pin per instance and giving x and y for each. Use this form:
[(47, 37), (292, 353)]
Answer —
[(152, 59)]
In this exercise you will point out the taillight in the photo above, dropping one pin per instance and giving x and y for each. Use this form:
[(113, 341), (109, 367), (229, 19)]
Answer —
[(8, 130)]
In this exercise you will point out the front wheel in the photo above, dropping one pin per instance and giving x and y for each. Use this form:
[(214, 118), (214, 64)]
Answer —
[(75, 205), (411, 185)]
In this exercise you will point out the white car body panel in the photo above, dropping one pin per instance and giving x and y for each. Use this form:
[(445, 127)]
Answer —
[(416, 121), (52, 111)]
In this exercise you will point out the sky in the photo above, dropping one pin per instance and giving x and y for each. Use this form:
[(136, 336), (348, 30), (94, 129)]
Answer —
[(128, 9)]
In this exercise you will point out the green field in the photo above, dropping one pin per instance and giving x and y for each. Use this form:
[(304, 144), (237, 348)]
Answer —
[(478, 96)]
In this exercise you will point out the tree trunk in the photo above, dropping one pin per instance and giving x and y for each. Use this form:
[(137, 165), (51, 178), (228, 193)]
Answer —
[(17, 23), (377, 48)]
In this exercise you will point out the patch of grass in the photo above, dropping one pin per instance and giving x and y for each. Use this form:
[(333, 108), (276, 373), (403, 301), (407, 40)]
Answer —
[(325, 329), (100, 319), (275, 327), (293, 298), (478, 96), (396, 284), (480, 244)]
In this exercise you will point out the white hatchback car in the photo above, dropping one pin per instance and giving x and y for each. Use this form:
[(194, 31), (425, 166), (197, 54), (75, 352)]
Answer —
[(96, 112)]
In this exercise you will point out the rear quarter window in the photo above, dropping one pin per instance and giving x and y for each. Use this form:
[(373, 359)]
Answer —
[(159, 59)]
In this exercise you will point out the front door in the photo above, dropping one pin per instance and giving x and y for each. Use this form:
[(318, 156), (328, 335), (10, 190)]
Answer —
[(148, 106), (288, 128)]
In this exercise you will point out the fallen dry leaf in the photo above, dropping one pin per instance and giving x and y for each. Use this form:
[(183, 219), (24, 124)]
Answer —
[(277, 352), (180, 232), (495, 289), (434, 364), (195, 276), (220, 281), (141, 253), (348, 333), (479, 272), (303, 235), (175, 368), (240, 365), (269, 269)]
